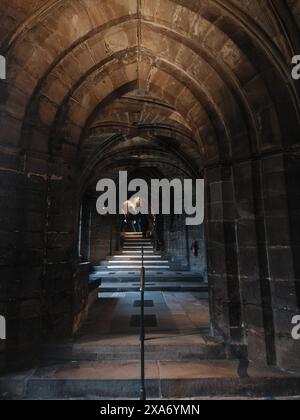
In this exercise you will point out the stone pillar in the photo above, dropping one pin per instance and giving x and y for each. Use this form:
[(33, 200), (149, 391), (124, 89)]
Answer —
[(281, 200), (38, 257), (81, 296), (23, 210), (253, 243), (104, 234), (222, 254), (292, 172), (85, 244), (253, 263), (61, 252), (175, 242)]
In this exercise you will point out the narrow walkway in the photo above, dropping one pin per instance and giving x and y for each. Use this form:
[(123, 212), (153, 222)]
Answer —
[(182, 361), (171, 313), (177, 328)]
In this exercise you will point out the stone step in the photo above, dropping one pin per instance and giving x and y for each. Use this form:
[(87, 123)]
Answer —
[(119, 254), (161, 286), (104, 266), (132, 235), (138, 252), (138, 239), (137, 247), (164, 380), (135, 267), (206, 349), (136, 261), (137, 242), (132, 266), (156, 278), (133, 257), (181, 276), (147, 264)]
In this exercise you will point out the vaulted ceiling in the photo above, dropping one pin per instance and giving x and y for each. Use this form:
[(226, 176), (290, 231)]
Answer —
[(183, 82)]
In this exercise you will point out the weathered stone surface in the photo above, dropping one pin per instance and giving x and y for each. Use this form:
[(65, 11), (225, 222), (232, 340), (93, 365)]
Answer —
[(162, 88)]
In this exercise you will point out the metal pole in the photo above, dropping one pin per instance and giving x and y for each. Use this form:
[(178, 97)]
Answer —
[(142, 336)]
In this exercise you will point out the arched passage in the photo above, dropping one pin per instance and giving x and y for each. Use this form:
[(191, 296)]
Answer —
[(200, 88)]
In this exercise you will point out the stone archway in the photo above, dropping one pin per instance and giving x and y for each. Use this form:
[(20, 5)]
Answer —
[(208, 87)]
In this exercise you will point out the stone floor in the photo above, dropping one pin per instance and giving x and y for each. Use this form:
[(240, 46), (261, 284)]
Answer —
[(176, 326), (175, 313), (182, 361), (166, 285), (165, 380), (164, 280)]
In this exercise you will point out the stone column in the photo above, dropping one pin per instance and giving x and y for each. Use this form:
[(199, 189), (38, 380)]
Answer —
[(253, 262), (282, 209), (23, 189), (222, 254), (61, 252), (253, 243)]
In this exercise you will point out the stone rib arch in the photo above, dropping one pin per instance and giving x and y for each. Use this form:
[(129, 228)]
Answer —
[(222, 66), (32, 16), (113, 144), (152, 157), (156, 89), (126, 83)]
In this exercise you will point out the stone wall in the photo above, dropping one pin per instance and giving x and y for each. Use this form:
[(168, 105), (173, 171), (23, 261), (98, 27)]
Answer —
[(38, 259), (208, 88), (104, 236), (22, 220), (81, 296), (2, 356), (178, 241), (254, 287)]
